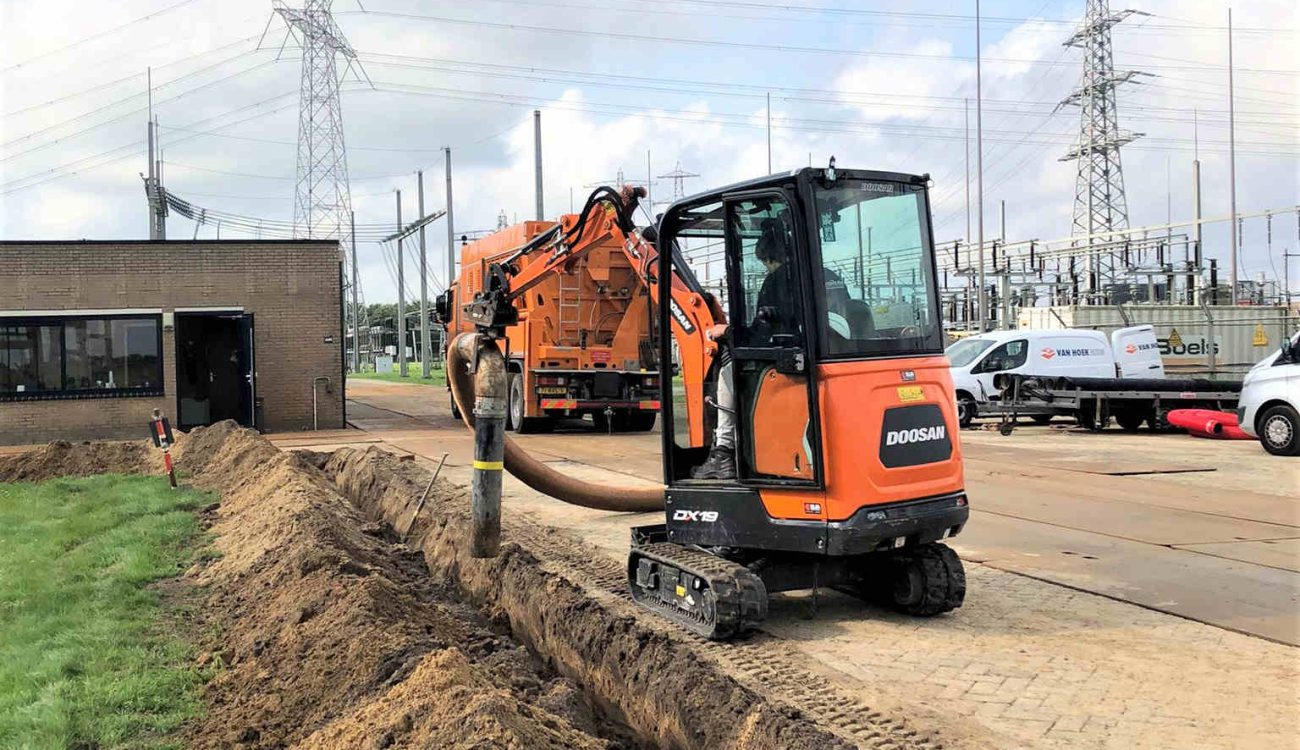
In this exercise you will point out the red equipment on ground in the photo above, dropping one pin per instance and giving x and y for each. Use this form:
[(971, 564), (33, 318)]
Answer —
[(1207, 423)]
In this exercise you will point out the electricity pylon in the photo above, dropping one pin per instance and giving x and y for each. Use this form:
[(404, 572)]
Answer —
[(322, 199), (1099, 202)]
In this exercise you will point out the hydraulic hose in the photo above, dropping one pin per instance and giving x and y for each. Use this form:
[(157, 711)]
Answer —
[(464, 350)]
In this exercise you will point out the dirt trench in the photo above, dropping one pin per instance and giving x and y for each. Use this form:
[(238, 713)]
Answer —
[(657, 685), (324, 630)]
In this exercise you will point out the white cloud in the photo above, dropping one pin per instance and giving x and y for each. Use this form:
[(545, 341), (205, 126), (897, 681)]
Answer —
[(910, 120)]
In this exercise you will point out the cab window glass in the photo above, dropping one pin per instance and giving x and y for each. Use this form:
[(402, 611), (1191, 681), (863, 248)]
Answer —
[(876, 268), (760, 232), (1009, 356)]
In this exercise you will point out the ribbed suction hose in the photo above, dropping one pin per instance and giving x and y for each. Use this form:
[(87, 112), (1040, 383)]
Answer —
[(489, 371)]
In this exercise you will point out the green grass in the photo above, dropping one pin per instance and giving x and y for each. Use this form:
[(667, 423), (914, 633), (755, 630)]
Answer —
[(413, 375), (89, 653)]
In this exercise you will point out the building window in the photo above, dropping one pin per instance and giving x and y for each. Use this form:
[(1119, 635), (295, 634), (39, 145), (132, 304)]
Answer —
[(80, 357), (30, 358)]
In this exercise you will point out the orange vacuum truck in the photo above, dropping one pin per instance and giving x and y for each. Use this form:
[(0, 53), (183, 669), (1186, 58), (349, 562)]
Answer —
[(824, 358), (582, 344)]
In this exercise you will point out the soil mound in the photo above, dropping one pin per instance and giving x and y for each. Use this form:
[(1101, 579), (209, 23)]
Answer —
[(655, 683), (325, 631), (61, 459), (331, 636)]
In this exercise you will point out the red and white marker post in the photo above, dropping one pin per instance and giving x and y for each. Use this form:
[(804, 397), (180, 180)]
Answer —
[(161, 432)]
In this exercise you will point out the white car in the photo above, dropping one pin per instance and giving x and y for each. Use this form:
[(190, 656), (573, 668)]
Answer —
[(975, 360), (1269, 408)]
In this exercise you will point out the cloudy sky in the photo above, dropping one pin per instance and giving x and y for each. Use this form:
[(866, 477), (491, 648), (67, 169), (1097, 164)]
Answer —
[(878, 85)]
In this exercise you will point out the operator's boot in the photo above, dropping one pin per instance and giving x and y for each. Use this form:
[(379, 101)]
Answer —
[(719, 465)]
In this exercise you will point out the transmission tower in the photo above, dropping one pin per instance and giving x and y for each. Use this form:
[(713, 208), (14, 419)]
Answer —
[(618, 182), (679, 177), (322, 199), (1099, 203)]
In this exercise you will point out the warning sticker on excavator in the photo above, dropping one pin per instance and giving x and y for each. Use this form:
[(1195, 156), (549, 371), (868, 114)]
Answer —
[(1261, 338), (911, 393)]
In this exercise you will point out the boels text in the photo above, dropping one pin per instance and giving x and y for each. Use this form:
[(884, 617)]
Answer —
[(1184, 348)]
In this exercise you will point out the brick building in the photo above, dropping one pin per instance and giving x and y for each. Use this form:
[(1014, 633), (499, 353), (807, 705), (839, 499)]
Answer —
[(94, 335)]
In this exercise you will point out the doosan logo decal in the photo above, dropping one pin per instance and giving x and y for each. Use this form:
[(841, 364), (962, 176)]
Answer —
[(915, 435), (703, 516)]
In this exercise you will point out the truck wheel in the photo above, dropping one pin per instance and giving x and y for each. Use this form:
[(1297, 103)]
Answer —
[(1087, 416), (532, 425), (1279, 430), (923, 582), (966, 410), (515, 403), (640, 421), (1130, 420)]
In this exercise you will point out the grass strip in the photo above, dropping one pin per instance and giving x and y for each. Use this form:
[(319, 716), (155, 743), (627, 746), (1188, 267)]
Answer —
[(90, 656)]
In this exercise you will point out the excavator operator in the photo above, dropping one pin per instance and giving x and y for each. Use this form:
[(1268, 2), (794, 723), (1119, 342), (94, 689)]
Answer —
[(775, 315)]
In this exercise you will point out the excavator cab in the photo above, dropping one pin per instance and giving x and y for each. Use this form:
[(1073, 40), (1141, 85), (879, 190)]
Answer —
[(848, 464)]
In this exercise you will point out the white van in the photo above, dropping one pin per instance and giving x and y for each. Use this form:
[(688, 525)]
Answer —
[(1269, 408), (1137, 354), (1048, 353)]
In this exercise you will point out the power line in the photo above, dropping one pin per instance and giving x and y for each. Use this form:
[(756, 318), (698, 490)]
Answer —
[(68, 168), (919, 18), (733, 119), (747, 45), (96, 35), (126, 115), (543, 74), (133, 77)]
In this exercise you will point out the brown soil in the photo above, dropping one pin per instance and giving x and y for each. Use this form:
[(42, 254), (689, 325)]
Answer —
[(331, 636), (656, 683), (61, 458), (323, 630)]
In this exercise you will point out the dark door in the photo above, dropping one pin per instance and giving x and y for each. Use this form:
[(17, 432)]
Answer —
[(214, 369), (776, 429)]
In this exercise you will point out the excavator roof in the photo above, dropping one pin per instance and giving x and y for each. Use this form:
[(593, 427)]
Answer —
[(806, 173)]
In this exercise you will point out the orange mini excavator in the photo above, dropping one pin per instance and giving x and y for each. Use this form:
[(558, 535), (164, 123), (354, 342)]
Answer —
[(847, 465)]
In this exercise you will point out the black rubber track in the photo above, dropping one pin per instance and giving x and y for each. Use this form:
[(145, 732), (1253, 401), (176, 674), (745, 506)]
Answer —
[(739, 598)]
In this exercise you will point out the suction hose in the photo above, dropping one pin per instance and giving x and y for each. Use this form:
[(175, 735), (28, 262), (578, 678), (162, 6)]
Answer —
[(489, 443), (488, 381)]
